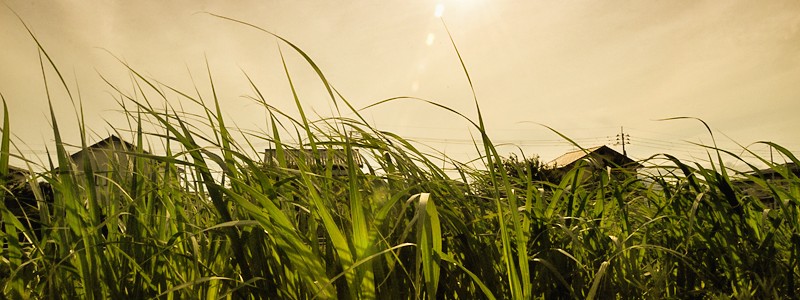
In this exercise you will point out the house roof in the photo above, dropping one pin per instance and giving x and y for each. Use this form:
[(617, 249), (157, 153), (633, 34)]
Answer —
[(13, 169), (99, 145), (107, 141), (569, 158), (17, 172), (773, 172), (339, 156)]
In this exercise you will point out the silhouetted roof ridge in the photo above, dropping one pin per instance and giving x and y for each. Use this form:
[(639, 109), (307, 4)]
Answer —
[(790, 166), (105, 141), (337, 154), (112, 137), (12, 168), (584, 150), (573, 156)]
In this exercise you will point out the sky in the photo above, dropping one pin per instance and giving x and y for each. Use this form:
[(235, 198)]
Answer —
[(588, 69)]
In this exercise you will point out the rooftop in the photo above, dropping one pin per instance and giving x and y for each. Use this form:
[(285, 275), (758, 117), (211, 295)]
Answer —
[(604, 152), (339, 156)]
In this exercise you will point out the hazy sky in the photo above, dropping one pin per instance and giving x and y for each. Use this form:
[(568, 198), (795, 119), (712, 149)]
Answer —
[(582, 67)]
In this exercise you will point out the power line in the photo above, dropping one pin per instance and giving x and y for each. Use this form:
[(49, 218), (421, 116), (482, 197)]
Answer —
[(521, 142)]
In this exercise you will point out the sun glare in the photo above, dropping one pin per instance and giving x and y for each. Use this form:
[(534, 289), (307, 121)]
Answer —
[(439, 10)]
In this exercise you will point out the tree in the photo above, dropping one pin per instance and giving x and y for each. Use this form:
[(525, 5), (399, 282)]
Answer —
[(520, 172)]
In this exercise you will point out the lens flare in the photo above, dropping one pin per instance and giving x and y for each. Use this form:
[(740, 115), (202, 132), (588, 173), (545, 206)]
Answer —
[(439, 10)]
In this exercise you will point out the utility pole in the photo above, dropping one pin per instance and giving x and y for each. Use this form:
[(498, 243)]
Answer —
[(771, 160), (622, 139)]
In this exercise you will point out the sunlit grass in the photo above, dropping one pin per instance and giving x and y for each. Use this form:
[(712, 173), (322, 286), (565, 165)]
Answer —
[(209, 219)]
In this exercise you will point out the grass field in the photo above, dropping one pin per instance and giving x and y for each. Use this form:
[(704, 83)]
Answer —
[(208, 219)]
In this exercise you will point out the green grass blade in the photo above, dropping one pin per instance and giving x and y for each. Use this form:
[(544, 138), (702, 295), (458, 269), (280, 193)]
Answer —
[(429, 240)]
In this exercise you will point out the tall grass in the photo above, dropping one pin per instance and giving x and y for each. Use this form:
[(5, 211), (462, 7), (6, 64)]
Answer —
[(207, 218)]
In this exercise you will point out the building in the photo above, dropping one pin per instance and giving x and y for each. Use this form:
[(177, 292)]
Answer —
[(772, 177), (599, 157), (16, 174), (775, 174), (120, 177), (111, 162), (20, 197), (336, 157), (17, 194), (109, 159)]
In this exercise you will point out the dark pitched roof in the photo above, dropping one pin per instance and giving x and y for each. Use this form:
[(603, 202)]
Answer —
[(13, 169), (99, 145), (109, 140), (16, 175), (603, 152), (772, 173), (339, 156)]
